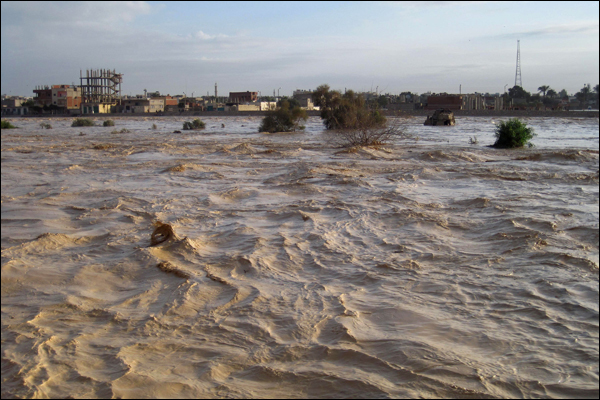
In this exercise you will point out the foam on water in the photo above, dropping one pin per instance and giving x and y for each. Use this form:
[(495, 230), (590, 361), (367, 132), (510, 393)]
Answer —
[(426, 268)]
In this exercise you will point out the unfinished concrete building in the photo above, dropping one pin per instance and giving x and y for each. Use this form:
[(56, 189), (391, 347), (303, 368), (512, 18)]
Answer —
[(100, 91)]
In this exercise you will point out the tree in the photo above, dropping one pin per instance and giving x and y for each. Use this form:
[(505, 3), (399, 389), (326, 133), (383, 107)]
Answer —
[(517, 92), (382, 101), (292, 102), (544, 89), (513, 133), (195, 125), (563, 94), (7, 125), (352, 120), (347, 111), (369, 135), (550, 98), (583, 94), (283, 119)]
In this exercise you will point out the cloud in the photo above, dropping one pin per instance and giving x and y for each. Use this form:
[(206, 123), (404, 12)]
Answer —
[(205, 36), (48, 43), (69, 13), (437, 4), (585, 27)]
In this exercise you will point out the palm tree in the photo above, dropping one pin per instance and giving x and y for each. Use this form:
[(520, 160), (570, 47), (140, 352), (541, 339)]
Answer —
[(582, 95), (586, 90), (552, 93), (544, 89)]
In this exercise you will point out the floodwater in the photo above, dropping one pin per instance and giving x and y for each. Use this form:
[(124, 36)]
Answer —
[(429, 267)]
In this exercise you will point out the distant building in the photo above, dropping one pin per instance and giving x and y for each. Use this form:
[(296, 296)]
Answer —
[(13, 105), (195, 104), (304, 97), (452, 102), (42, 96), (100, 91), (245, 107), (58, 98), (242, 97), (493, 102), (141, 104), (67, 97), (169, 103), (267, 105), (473, 101), (13, 101), (470, 101)]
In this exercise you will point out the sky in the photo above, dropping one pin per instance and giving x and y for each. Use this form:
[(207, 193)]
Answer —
[(389, 47)]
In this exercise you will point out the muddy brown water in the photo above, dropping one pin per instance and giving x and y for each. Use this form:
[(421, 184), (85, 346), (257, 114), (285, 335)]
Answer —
[(429, 267)]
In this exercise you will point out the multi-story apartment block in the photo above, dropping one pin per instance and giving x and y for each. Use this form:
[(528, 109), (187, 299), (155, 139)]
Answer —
[(66, 96), (43, 96)]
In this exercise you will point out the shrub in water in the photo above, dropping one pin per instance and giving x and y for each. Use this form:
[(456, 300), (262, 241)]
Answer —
[(45, 125), (513, 133), (346, 111), (283, 119), (194, 125), (109, 122), (83, 122), (7, 125)]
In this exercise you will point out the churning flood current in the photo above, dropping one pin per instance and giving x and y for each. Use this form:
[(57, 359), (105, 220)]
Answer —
[(428, 267)]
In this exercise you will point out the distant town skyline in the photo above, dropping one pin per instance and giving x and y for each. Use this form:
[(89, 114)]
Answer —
[(187, 47)]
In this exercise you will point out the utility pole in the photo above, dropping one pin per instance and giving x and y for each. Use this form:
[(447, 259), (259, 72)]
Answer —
[(518, 81)]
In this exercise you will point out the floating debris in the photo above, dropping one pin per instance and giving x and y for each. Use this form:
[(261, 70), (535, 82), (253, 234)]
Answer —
[(441, 117), (161, 234), (172, 269)]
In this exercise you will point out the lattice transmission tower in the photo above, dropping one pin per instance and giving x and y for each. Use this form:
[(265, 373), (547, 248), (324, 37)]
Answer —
[(518, 81)]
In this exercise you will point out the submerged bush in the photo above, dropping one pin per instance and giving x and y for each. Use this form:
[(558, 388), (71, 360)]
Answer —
[(283, 119), (346, 111), (513, 133), (82, 122), (7, 125), (366, 135), (109, 122), (194, 125), (45, 125)]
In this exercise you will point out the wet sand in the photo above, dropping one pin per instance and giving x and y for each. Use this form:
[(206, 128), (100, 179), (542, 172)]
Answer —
[(428, 267)]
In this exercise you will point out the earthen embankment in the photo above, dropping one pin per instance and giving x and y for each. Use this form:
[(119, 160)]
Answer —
[(424, 113)]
